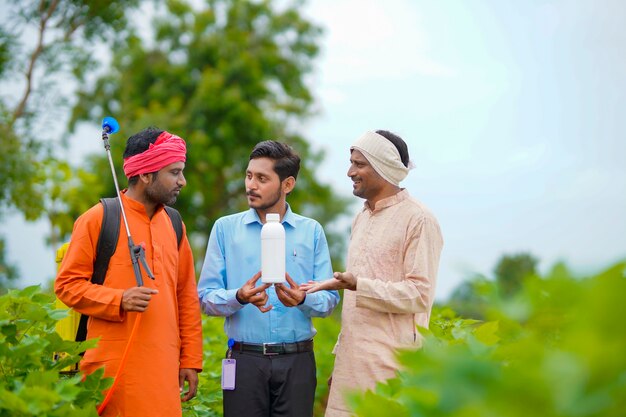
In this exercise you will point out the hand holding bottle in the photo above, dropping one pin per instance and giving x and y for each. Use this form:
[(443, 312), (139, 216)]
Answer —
[(250, 293), (290, 295)]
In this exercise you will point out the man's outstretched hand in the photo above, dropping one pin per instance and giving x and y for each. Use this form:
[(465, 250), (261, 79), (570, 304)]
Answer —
[(340, 281)]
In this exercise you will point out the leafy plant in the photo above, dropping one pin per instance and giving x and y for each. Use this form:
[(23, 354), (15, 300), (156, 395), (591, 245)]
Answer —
[(556, 348), (32, 357), (208, 401), (325, 340)]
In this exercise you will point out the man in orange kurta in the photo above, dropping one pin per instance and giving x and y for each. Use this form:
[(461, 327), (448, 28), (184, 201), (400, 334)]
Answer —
[(166, 351)]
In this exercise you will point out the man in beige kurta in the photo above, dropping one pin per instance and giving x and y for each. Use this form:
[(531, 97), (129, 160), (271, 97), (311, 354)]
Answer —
[(392, 264)]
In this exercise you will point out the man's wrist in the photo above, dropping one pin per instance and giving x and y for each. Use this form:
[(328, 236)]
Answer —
[(303, 299), (239, 299)]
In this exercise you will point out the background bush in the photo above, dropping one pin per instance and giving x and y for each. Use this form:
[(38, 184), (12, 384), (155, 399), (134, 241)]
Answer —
[(31, 383), (556, 348), (553, 348)]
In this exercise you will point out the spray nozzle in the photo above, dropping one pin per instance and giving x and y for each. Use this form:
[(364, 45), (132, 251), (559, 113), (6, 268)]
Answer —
[(110, 125)]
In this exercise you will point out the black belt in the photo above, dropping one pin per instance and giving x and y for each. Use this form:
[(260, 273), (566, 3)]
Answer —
[(274, 348)]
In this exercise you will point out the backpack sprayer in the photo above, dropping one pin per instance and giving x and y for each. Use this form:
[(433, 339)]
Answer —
[(137, 253)]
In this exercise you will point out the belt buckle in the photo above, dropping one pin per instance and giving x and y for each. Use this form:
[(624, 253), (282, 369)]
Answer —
[(265, 352)]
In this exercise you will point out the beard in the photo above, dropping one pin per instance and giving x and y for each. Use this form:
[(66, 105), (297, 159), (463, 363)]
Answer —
[(265, 204), (157, 193)]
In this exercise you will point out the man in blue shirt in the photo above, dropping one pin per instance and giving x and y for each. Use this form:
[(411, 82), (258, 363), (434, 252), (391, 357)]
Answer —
[(270, 325)]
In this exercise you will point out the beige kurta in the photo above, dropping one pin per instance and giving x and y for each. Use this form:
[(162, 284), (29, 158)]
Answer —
[(394, 252)]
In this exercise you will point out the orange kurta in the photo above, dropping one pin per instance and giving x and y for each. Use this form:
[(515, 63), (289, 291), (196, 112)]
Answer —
[(170, 332)]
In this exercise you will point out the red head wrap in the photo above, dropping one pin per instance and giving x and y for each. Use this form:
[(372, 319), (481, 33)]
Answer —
[(166, 150)]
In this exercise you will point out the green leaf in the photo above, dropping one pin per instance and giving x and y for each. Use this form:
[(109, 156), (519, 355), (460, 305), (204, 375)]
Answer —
[(11, 402), (29, 291), (9, 331), (58, 314), (67, 390), (39, 399), (486, 333), (375, 406)]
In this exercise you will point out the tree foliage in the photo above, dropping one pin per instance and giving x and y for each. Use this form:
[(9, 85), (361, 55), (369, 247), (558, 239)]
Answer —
[(224, 77), (8, 272), (511, 271), (474, 296), (45, 49), (34, 75)]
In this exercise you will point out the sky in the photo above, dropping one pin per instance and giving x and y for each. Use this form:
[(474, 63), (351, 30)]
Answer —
[(513, 111)]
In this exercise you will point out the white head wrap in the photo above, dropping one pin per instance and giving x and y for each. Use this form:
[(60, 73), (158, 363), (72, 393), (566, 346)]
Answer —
[(383, 156)]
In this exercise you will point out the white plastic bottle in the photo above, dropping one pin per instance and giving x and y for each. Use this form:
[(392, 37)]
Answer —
[(272, 250)]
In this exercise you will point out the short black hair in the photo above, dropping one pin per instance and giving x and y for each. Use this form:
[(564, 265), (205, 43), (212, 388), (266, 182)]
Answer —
[(398, 143), (286, 161), (139, 143)]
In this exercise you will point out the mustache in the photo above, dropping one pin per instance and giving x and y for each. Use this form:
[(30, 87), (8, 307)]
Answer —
[(250, 193)]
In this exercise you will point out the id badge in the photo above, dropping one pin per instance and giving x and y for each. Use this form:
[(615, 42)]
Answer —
[(228, 374)]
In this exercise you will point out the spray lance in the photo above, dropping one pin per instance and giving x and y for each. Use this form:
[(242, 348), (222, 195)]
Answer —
[(137, 253)]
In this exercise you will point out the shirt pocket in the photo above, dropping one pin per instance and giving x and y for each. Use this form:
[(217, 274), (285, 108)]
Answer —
[(299, 262)]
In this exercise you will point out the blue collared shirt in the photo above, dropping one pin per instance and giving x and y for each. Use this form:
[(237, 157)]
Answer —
[(233, 256)]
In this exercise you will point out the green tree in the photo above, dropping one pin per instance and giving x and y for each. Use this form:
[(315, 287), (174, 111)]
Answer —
[(8, 272), (35, 76), (512, 270), (474, 297), (224, 76), (45, 48)]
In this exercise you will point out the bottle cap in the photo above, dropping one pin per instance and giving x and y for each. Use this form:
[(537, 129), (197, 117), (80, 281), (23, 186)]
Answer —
[(272, 217)]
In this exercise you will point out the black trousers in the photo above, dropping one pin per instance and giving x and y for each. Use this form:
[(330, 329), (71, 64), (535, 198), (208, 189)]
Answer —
[(272, 386)]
